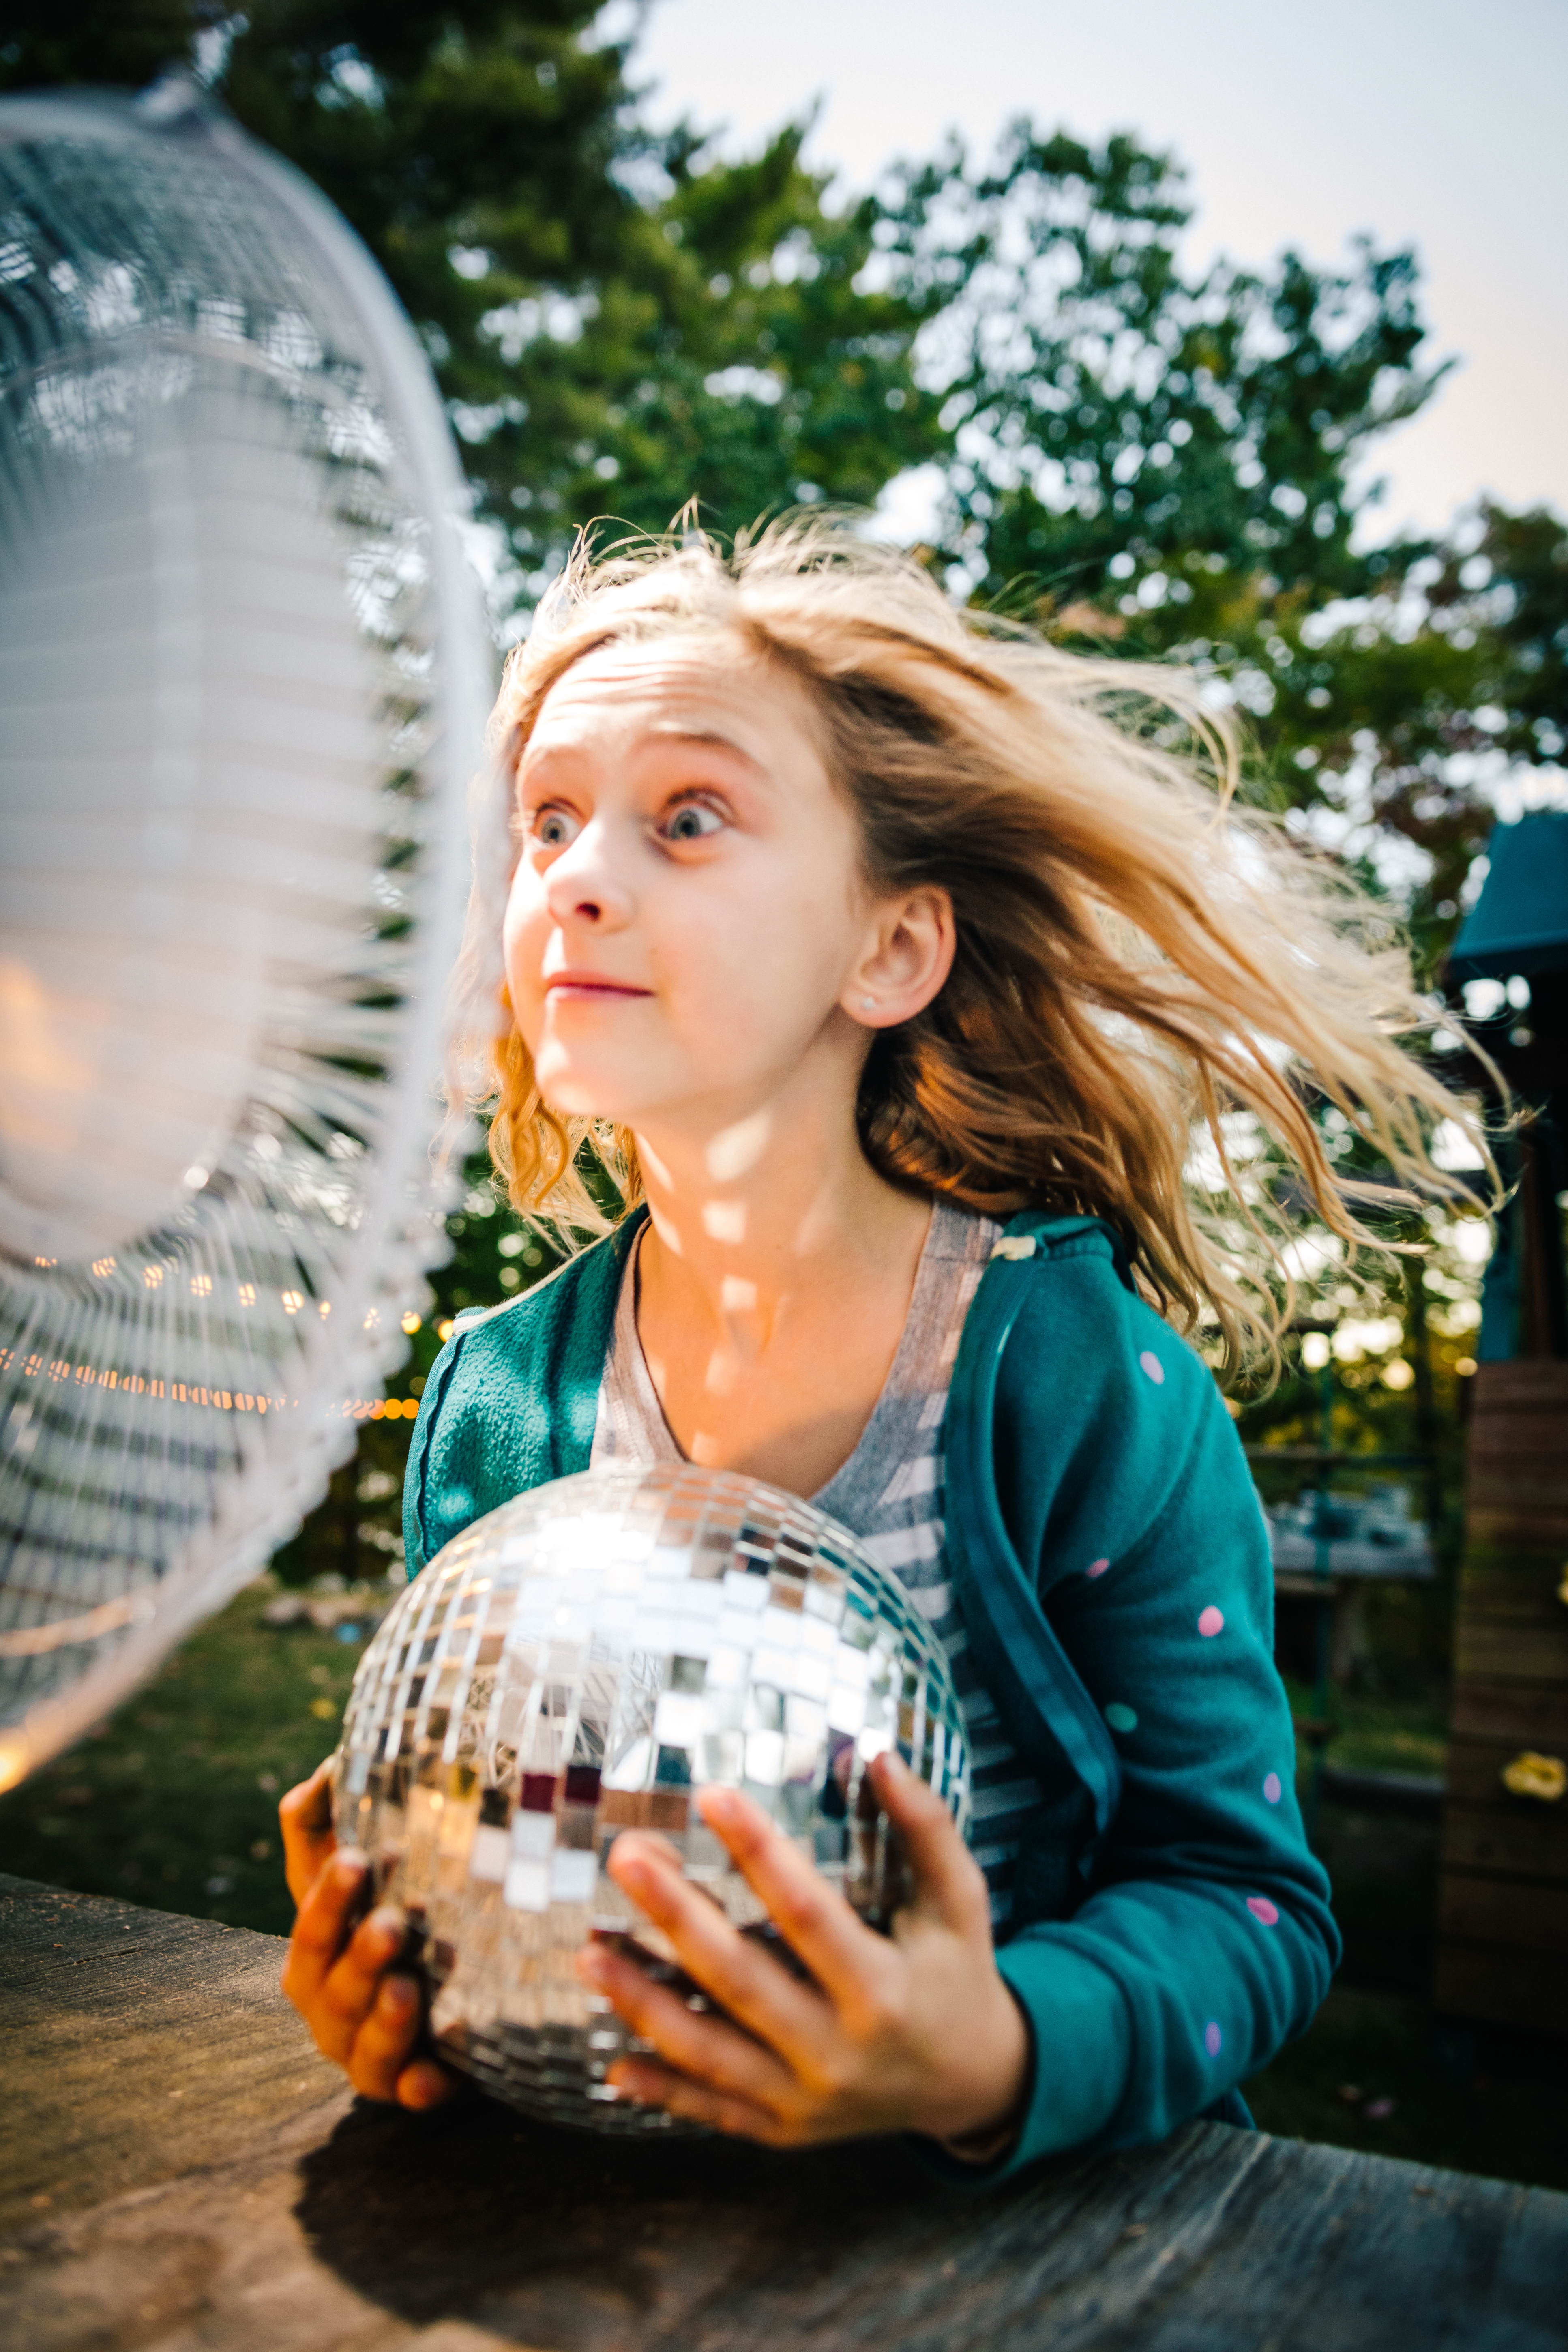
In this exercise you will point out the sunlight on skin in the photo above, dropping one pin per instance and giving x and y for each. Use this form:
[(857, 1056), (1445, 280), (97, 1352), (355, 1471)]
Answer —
[(724, 1221), (737, 1299), (739, 1149)]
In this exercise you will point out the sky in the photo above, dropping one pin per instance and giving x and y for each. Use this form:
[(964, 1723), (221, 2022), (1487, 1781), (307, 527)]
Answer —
[(1421, 122)]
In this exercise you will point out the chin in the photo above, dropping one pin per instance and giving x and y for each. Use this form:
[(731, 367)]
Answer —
[(578, 1093)]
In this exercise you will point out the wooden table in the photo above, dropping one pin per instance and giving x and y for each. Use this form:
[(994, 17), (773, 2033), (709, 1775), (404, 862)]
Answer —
[(178, 2169)]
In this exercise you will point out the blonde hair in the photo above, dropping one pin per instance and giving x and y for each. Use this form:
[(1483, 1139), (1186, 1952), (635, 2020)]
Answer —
[(1137, 955)]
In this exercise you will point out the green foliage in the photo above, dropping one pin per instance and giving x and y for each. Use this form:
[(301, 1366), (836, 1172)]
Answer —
[(1111, 414), (1148, 461)]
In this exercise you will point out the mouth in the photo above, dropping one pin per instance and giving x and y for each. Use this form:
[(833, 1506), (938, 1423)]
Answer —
[(591, 986)]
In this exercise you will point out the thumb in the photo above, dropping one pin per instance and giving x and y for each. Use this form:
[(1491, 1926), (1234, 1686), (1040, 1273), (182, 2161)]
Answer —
[(305, 1818), (949, 1882)]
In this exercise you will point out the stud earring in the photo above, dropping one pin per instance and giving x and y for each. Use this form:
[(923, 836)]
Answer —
[(868, 1005)]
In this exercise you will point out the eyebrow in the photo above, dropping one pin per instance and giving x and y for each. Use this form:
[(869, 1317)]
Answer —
[(670, 731)]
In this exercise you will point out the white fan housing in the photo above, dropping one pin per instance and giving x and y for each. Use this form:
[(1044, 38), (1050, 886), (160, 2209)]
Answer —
[(243, 676)]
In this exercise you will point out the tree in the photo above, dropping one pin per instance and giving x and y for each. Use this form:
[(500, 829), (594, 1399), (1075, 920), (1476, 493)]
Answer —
[(1176, 467), (1148, 462), (617, 322), (1111, 415)]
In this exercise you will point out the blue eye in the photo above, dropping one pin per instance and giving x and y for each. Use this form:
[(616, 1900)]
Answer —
[(693, 821), (552, 828)]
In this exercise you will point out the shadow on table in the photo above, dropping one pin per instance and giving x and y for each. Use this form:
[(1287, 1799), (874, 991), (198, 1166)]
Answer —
[(546, 2235)]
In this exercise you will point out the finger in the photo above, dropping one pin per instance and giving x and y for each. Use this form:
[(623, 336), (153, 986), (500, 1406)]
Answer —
[(322, 1925), (349, 1990), (738, 1973), (842, 1953), (305, 1819), (426, 2085), (652, 2085), (949, 1882), (706, 2048), (384, 2045)]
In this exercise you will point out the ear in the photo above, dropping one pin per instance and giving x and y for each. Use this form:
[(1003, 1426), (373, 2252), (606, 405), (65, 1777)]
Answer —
[(906, 961)]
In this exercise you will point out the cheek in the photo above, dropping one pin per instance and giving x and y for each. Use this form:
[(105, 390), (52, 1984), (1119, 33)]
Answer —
[(758, 962)]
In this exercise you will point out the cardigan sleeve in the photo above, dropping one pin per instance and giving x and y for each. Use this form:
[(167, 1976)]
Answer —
[(1206, 1940)]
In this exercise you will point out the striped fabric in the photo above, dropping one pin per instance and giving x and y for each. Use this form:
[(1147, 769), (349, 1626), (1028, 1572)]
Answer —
[(890, 1493)]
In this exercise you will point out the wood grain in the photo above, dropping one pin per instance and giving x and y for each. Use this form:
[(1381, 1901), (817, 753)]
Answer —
[(1524, 1840), (1524, 1914), (1485, 1650), (1504, 1858), (1512, 1582), (1491, 1711), (213, 2189)]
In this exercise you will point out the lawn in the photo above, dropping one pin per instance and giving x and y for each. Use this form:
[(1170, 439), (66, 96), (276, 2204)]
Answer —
[(1378, 1733), (174, 1804)]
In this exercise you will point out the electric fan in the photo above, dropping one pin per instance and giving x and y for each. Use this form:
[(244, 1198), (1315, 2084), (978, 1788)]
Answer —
[(243, 674)]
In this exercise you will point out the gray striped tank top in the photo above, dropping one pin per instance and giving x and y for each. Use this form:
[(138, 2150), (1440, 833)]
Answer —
[(890, 1493)]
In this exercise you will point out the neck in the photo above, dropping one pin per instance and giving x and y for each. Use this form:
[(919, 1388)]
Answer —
[(764, 1216)]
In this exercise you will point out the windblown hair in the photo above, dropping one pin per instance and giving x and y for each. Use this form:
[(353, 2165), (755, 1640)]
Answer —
[(1138, 955)]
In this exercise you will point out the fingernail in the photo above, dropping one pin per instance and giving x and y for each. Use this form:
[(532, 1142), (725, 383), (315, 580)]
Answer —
[(348, 1867)]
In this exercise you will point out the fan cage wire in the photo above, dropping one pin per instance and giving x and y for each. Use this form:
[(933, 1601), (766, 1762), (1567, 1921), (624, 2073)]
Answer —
[(270, 1485)]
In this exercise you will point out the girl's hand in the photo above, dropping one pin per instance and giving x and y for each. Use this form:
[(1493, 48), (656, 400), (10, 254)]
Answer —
[(912, 2033), (336, 1973)]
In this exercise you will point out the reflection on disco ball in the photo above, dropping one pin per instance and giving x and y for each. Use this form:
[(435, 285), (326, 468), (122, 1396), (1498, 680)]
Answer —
[(575, 1665)]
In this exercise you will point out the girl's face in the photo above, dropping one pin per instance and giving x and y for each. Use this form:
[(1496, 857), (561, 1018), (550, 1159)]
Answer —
[(687, 915)]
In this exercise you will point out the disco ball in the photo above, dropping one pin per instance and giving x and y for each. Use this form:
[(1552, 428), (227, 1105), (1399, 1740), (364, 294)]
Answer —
[(576, 1664)]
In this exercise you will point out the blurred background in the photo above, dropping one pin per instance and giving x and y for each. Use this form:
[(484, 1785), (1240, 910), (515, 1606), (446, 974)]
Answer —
[(1223, 334)]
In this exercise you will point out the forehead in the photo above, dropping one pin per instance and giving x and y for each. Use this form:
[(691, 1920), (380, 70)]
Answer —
[(710, 688)]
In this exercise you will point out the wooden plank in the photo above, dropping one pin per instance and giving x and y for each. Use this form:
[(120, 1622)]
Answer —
[(1499, 1521), (1502, 1986), (1510, 1693), (1534, 1506), (1535, 1427), (1526, 1914), (1474, 1776), (1524, 1383), (1525, 1845), (1484, 1652), (144, 2034), (1500, 1581), (1495, 1710), (329, 2227)]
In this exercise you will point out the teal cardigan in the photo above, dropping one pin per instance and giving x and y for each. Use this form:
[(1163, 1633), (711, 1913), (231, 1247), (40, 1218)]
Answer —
[(1170, 1926)]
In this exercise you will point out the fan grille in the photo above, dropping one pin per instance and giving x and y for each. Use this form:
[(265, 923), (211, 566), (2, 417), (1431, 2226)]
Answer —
[(241, 684)]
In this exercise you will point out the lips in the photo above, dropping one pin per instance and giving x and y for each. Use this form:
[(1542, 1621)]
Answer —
[(590, 985)]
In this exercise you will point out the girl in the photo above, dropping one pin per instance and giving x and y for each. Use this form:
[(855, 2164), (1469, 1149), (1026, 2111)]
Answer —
[(894, 980)]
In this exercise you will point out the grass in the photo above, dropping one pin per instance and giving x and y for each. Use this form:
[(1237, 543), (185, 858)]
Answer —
[(173, 1803), (1379, 1733)]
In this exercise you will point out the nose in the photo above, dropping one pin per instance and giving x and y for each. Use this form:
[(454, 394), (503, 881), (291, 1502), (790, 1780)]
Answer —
[(582, 886)]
